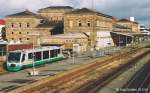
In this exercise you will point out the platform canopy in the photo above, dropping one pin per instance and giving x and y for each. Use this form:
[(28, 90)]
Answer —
[(131, 34)]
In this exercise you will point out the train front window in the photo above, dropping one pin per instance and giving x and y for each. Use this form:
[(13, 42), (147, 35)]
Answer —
[(14, 57)]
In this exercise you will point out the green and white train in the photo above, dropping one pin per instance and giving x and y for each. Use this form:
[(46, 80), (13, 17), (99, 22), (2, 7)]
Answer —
[(21, 59)]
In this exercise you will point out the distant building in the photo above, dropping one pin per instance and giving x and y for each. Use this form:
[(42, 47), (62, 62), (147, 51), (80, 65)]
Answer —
[(134, 26), (54, 13), (89, 22), (29, 27), (64, 25), (121, 28)]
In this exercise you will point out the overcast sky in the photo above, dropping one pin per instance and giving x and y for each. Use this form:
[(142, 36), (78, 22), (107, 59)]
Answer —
[(140, 9)]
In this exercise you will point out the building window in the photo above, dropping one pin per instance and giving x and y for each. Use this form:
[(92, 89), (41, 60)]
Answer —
[(12, 38), (20, 25), (88, 24), (19, 32), (28, 38), (71, 23), (12, 32), (80, 24), (97, 23), (66, 41), (12, 25), (20, 39), (27, 32), (28, 25)]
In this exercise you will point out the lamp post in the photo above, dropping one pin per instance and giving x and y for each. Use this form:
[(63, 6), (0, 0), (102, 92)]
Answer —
[(34, 71)]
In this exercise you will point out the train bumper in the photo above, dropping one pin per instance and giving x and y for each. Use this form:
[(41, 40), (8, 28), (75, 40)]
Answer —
[(14, 69)]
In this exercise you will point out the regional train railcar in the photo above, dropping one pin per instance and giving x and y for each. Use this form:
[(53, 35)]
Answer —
[(21, 59)]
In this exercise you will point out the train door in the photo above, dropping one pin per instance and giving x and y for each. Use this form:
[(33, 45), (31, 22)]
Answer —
[(23, 57)]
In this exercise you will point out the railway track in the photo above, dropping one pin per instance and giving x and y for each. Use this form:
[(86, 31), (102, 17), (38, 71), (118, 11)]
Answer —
[(95, 86), (87, 76), (138, 84)]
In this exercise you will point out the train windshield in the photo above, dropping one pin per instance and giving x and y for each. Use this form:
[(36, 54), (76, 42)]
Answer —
[(14, 57)]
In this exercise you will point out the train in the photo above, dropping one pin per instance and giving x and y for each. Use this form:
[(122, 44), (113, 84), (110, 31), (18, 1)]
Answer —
[(25, 58)]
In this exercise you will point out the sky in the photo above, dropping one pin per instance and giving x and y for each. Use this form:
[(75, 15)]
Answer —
[(139, 9)]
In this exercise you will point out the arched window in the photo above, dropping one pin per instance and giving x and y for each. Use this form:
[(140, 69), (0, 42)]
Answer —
[(79, 23), (12, 25), (20, 25), (97, 23), (28, 25), (88, 24), (71, 23)]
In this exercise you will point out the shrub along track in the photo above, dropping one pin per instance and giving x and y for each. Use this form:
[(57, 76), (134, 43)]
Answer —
[(82, 79)]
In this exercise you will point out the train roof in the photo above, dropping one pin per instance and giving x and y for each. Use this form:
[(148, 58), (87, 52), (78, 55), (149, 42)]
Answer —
[(37, 49)]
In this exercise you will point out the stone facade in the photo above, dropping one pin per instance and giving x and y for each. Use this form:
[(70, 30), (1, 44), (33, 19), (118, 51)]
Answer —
[(134, 26), (26, 27), (39, 28), (67, 40), (54, 13), (87, 21), (121, 28)]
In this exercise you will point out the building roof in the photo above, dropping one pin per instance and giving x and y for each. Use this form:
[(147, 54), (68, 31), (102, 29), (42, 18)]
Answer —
[(2, 22), (129, 33), (25, 13), (55, 7), (88, 11), (126, 20), (58, 7)]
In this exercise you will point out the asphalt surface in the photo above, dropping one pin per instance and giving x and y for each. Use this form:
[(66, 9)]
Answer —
[(139, 83)]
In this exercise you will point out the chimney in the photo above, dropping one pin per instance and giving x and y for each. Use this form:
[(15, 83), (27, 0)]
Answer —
[(132, 19)]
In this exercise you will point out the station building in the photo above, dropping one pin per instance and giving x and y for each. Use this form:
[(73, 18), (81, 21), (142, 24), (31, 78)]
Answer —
[(66, 26), (90, 22), (134, 26), (54, 13), (28, 27)]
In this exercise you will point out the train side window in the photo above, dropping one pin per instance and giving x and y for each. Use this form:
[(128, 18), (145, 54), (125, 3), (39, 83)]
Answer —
[(37, 56), (30, 56), (23, 58), (52, 53), (45, 54), (58, 51)]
